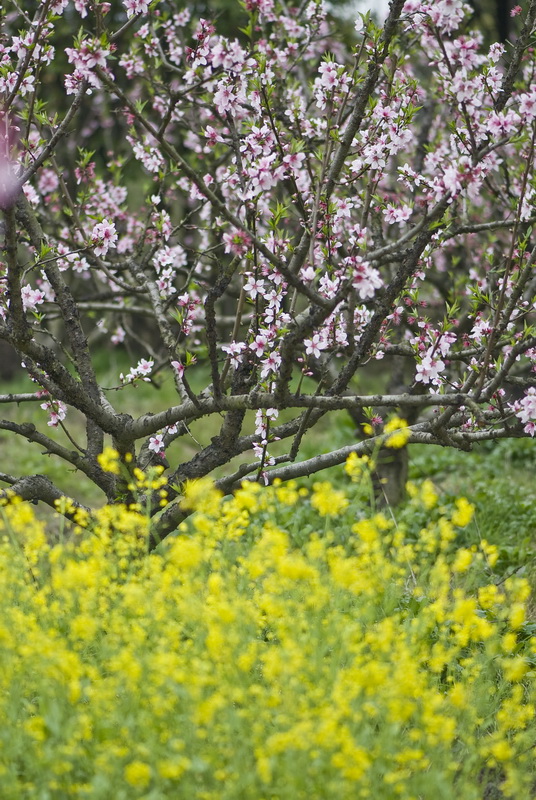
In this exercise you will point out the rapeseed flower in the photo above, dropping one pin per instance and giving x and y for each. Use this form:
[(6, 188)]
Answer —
[(464, 513), (138, 774), (327, 500), (257, 655), (400, 433), (109, 460)]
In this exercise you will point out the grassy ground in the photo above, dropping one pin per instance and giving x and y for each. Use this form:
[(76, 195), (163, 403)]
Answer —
[(499, 479)]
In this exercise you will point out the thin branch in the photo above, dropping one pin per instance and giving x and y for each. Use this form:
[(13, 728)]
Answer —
[(78, 460), (148, 424), (363, 95), (34, 397), (318, 463), (60, 132)]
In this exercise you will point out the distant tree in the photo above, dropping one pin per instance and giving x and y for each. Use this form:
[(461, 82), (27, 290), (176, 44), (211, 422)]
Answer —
[(494, 18)]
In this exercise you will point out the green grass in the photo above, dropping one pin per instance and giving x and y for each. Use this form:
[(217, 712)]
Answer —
[(498, 477)]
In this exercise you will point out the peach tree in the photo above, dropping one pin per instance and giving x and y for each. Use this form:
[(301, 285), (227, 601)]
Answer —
[(283, 209)]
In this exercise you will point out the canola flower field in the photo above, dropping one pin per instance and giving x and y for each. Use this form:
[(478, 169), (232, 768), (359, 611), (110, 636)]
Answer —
[(285, 644)]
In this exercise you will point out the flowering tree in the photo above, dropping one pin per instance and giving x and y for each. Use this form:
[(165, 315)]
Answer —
[(261, 209)]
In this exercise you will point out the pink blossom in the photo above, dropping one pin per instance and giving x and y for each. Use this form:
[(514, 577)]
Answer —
[(496, 51), (178, 367), (8, 82), (253, 286), (8, 180), (103, 237), (224, 98), (526, 411), (156, 444), (133, 65), (142, 370), (328, 74), (327, 286), (31, 298), (366, 279), (482, 327), (375, 156), (149, 156), (27, 85), (314, 345), (169, 256), (58, 7), (294, 160), (264, 7), (259, 344), (261, 425), (503, 122), (446, 14), (48, 181), (394, 214), (527, 105), (57, 412), (270, 365), (134, 7), (446, 340), (263, 175), (144, 367), (234, 350), (236, 243), (89, 54), (429, 368), (81, 7)]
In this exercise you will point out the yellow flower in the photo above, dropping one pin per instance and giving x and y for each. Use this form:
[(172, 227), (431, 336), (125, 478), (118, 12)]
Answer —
[(109, 460), (327, 500), (463, 560), (428, 494), (356, 465), (488, 596), (514, 668), (464, 512), (138, 774), (491, 551), (201, 495), (517, 616), (173, 768), (264, 768), (400, 433), (502, 751), (509, 642)]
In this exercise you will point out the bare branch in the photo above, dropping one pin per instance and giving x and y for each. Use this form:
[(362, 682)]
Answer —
[(39, 487)]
